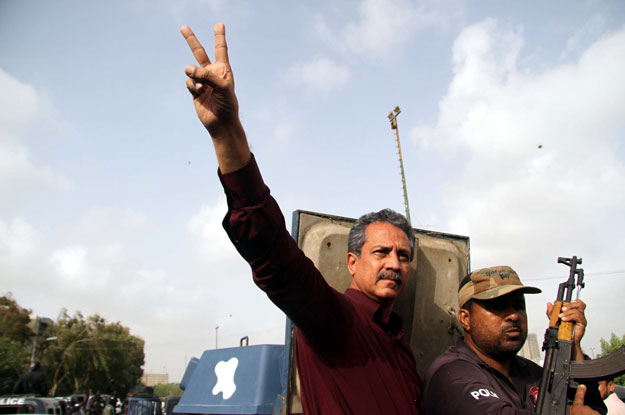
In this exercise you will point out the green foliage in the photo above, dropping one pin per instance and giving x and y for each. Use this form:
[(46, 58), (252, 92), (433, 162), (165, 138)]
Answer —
[(608, 347), (86, 353), (14, 320), (164, 390), (14, 359), (92, 354)]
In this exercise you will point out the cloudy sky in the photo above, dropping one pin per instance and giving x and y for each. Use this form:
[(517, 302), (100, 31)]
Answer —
[(512, 128)]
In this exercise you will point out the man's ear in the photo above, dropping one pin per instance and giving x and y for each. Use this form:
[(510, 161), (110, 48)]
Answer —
[(351, 263), (464, 317), (611, 387)]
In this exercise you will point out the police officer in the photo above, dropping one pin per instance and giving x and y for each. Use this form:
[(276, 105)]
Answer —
[(482, 373)]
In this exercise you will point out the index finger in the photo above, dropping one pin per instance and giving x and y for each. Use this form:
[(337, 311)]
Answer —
[(221, 47), (196, 47)]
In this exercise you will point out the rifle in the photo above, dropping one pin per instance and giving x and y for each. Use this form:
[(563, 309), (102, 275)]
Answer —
[(561, 376)]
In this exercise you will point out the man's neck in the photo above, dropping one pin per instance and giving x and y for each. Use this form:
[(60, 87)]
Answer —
[(499, 364), (387, 308)]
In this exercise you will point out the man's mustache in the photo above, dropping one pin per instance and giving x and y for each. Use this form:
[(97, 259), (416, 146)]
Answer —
[(513, 325), (390, 275)]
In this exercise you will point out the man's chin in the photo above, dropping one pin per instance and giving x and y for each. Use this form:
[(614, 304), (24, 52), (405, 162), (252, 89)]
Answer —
[(511, 347), (388, 294)]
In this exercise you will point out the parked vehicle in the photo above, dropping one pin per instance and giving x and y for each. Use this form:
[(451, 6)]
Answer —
[(10, 405), (144, 406)]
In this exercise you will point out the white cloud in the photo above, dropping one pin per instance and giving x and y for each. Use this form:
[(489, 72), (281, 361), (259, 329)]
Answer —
[(21, 107), (92, 269), (585, 35), (209, 235), (70, 261), (18, 173), (541, 161), (18, 239), (318, 75), (18, 102), (382, 25), (541, 165)]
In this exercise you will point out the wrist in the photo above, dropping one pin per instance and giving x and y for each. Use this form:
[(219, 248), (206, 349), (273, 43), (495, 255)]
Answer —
[(231, 148)]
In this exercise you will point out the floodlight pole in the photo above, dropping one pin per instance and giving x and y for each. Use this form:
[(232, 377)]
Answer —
[(216, 337), (392, 116)]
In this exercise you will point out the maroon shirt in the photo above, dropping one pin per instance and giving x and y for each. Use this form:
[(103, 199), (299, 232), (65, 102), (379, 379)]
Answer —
[(349, 361)]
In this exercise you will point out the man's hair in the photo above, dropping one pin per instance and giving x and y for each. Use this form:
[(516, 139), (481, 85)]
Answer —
[(357, 236), (468, 305)]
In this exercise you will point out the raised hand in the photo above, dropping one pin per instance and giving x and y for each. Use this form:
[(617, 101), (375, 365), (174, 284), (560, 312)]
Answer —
[(574, 312), (212, 86)]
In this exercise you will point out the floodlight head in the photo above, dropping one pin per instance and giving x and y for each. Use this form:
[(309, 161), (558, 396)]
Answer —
[(390, 116), (397, 110)]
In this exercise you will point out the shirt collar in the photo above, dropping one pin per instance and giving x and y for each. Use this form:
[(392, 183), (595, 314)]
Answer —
[(516, 364), (373, 311)]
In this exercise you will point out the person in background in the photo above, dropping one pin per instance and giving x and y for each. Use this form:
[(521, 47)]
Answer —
[(612, 402), (109, 408), (33, 382)]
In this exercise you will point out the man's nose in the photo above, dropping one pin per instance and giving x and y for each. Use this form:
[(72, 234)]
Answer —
[(511, 313), (392, 261)]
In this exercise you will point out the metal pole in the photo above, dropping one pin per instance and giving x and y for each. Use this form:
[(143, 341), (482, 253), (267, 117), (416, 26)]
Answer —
[(36, 342), (216, 337), (392, 116)]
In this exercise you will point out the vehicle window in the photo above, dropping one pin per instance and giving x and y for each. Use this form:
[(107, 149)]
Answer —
[(17, 409)]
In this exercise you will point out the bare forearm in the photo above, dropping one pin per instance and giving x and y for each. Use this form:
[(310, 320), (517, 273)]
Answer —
[(232, 149), (577, 352)]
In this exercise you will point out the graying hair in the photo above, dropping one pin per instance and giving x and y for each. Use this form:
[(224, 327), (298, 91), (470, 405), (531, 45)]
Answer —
[(357, 236)]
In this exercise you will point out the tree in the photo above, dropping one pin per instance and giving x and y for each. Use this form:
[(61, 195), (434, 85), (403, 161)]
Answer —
[(14, 358), (76, 354), (92, 354), (164, 390), (15, 341), (14, 320), (608, 347)]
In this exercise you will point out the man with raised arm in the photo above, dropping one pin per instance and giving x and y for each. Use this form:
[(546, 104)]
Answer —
[(350, 351), (482, 373)]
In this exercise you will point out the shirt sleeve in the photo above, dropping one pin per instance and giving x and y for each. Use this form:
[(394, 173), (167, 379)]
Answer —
[(256, 227), (460, 389)]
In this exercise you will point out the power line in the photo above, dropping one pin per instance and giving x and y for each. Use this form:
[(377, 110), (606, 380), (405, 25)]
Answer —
[(594, 274)]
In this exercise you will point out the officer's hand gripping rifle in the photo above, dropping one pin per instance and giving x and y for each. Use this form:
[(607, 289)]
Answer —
[(561, 376)]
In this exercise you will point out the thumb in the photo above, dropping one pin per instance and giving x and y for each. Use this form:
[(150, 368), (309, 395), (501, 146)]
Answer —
[(579, 395)]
